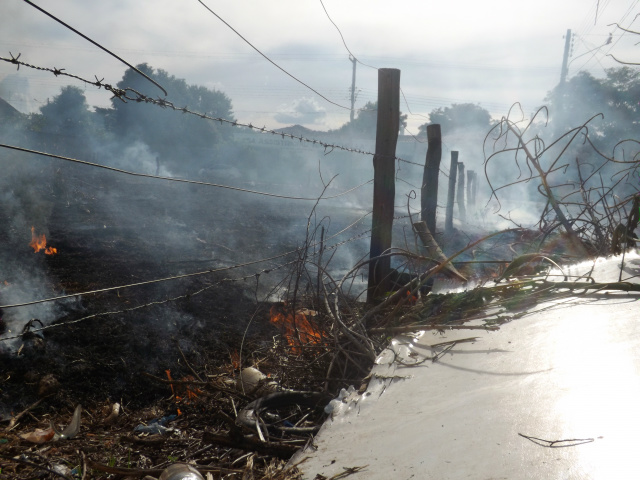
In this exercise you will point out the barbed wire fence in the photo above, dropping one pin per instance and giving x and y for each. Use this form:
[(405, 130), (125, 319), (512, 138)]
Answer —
[(130, 95)]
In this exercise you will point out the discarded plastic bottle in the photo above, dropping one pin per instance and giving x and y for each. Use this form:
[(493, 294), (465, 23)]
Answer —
[(181, 471)]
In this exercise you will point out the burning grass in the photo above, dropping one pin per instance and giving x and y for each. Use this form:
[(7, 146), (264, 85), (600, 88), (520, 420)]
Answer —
[(39, 242)]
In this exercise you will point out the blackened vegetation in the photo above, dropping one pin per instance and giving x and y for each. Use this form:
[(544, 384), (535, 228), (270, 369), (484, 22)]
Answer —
[(105, 356), (117, 346)]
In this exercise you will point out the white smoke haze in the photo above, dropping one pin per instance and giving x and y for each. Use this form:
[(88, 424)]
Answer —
[(304, 111), (139, 158)]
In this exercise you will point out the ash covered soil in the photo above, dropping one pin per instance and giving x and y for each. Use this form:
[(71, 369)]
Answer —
[(111, 231), (116, 346)]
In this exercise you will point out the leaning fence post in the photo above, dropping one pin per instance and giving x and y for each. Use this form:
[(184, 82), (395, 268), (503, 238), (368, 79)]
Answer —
[(461, 205), (453, 171), (429, 190), (384, 189)]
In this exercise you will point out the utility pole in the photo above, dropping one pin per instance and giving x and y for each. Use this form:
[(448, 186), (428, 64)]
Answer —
[(563, 78), (565, 58), (353, 86)]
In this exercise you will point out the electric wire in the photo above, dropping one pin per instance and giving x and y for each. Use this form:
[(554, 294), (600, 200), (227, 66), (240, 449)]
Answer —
[(370, 66), (343, 40), (269, 60), (96, 44)]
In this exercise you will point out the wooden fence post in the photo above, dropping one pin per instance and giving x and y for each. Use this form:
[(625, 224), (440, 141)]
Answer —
[(429, 190), (384, 189), (471, 180), (470, 174), (461, 205), (474, 190), (453, 173)]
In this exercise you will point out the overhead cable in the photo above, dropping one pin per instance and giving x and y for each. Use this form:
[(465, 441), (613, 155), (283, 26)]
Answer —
[(271, 61), (97, 45)]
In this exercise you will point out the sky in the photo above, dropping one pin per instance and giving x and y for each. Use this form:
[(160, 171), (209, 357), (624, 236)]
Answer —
[(492, 53)]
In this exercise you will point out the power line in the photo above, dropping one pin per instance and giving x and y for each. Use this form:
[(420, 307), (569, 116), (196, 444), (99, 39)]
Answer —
[(624, 16), (356, 59), (97, 45), (343, 40), (268, 59)]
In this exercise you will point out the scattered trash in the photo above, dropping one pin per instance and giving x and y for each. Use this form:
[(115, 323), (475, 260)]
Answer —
[(181, 471), (334, 404), (62, 470), (250, 416), (39, 435), (251, 380), (115, 411), (157, 426), (72, 429)]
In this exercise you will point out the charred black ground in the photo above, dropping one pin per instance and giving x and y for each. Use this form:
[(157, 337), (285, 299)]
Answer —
[(119, 231)]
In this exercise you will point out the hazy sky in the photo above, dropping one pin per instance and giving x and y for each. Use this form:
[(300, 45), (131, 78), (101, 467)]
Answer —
[(493, 53)]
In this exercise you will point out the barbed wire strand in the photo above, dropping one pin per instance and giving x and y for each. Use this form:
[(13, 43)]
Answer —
[(269, 60), (122, 94), (194, 293), (172, 179), (96, 44)]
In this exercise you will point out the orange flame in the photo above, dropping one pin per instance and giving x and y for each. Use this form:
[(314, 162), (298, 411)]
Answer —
[(39, 242), (298, 330), (235, 360), (181, 390)]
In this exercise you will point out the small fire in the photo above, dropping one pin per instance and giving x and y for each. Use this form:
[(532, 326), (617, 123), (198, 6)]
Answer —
[(181, 392), (300, 329), (39, 242), (235, 360)]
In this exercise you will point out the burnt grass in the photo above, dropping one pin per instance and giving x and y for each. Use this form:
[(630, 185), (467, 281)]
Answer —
[(100, 348), (116, 346)]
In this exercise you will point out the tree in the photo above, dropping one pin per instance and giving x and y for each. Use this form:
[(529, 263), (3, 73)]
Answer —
[(365, 122), (459, 116), (64, 123), (175, 137), (615, 97)]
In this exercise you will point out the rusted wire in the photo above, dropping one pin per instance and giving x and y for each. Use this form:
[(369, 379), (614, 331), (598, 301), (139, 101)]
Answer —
[(129, 94)]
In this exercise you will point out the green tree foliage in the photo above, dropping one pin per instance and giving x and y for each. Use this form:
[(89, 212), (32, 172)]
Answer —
[(175, 137), (459, 116)]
